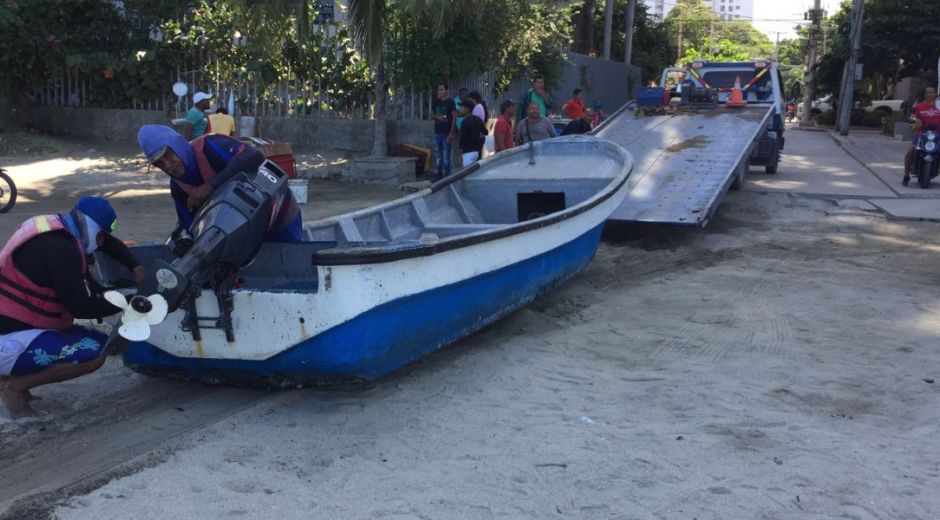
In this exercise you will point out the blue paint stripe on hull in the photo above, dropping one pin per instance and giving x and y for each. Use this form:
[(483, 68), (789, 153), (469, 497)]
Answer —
[(389, 336)]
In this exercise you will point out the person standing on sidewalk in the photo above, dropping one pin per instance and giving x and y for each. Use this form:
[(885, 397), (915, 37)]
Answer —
[(502, 131), (534, 127), (472, 135), (574, 107), (538, 95), (443, 113)]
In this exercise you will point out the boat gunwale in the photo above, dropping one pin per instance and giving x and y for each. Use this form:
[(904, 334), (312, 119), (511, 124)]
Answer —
[(375, 255)]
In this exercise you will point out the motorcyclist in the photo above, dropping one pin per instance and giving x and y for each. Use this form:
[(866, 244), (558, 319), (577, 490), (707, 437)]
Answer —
[(923, 115), (198, 167)]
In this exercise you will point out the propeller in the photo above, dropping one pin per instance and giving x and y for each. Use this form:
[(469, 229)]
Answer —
[(139, 314)]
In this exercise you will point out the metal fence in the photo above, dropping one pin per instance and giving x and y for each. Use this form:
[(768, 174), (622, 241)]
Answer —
[(294, 97)]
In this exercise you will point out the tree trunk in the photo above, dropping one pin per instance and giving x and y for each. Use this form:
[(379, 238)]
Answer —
[(380, 137), (584, 41)]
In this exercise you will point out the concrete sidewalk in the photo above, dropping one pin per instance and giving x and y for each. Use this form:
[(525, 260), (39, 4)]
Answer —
[(862, 165), (814, 164)]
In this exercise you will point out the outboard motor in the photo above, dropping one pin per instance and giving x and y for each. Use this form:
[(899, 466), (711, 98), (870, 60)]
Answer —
[(226, 235)]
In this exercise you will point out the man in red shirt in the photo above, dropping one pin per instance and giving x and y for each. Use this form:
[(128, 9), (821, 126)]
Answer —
[(922, 116), (575, 106), (502, 131)]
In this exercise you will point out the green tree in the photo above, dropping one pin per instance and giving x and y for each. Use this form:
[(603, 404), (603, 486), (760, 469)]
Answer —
[(699, 33), (368, 20), (652, 49), (512, 37), (900, 39)]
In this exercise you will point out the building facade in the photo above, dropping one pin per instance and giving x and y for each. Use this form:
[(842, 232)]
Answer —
[(725, 9), (732, 9)]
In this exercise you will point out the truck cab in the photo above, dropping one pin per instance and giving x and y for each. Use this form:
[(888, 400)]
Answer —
[(761, 85)]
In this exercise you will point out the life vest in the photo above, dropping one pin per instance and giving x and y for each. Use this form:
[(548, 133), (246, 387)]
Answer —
[(281, 218), (20, 298), (205, 171)]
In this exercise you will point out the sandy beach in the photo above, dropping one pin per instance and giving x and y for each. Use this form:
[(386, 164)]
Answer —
[(779, 364)]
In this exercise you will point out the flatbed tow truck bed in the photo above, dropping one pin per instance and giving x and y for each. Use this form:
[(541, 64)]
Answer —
[(685, 162)]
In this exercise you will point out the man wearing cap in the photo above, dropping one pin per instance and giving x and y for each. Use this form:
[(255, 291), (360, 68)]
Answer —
[(197, 168), (197, 122), (44, 286)]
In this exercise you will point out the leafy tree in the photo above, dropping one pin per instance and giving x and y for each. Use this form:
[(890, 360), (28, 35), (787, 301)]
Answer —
[(900, 39), (790, 59), (513, 37), (652, 49), (703, 35)]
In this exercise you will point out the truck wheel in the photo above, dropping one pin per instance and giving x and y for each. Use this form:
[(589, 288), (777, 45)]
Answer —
[(739, 175), (773, 160)]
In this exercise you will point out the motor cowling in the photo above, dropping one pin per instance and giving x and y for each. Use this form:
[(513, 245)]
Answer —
[(227, 232)]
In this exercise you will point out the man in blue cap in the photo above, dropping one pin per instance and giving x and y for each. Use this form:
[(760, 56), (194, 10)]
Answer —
[(44, 286)]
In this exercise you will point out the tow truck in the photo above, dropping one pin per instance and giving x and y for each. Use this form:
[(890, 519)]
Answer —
[(694, 148)]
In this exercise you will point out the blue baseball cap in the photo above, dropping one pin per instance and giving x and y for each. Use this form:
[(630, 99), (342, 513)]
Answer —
[(99, 210)]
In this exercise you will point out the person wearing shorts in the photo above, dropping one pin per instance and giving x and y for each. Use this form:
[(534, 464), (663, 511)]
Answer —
[(44, 286)]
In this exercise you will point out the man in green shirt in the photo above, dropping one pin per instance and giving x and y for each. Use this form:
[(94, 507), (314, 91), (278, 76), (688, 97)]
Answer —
[(197, 122), (538, 95)]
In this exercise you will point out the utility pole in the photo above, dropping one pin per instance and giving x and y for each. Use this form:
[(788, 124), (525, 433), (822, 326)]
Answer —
[(679, 56), (712, 44), (846, 99), (628, 33), (608, 27), (815, 16)]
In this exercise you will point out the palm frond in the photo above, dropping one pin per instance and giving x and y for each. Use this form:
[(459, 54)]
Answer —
[(367, 19)]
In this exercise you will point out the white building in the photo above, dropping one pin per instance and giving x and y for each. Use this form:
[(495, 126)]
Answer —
[(658, 9), (726, 9), (732, 9)]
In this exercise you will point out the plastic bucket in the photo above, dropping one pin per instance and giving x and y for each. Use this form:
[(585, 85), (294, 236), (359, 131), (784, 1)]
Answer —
[(298, 188)]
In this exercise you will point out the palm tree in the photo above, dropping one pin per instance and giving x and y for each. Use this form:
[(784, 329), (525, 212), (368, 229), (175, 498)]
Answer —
[(366, 19)]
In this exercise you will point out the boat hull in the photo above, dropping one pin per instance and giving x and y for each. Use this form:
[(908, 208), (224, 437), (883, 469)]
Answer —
[(388, 336)]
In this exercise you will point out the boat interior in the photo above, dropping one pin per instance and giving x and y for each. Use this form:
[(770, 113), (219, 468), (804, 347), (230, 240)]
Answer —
[(508, 189)]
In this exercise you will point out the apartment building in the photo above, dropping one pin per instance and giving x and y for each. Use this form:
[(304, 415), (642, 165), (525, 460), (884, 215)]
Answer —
[(726, 9)]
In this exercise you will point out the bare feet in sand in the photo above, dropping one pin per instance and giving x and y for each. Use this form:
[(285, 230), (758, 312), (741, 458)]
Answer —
[(16, 402)]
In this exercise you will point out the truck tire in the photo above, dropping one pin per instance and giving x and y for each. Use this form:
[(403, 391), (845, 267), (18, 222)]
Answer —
[(739, 175), (773, 160)]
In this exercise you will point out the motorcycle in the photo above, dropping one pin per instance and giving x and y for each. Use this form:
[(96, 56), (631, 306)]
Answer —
[(926, 156), (791, 112)]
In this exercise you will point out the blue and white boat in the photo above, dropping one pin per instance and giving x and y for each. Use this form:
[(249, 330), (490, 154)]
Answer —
[(374, 290)]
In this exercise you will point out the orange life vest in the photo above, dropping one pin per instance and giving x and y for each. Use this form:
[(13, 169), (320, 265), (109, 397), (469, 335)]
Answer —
[(20, 298)]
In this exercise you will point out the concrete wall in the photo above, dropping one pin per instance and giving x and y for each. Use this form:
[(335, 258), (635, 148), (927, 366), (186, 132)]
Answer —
[(302, 133), (354, 135), (100, 123), (610, 82)]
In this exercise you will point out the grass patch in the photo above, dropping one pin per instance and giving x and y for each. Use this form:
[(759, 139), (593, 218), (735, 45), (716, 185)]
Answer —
[(25, 144)]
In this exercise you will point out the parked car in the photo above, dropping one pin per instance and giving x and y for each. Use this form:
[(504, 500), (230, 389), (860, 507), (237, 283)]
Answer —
[(888, 106)]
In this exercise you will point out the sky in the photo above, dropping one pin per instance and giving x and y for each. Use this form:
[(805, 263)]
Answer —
[(785, 14)]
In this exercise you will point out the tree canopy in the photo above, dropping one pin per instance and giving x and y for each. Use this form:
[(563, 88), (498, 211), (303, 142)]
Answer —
[(900, 39), (699, 33)]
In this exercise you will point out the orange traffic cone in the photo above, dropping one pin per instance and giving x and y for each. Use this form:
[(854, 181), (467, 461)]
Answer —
[(737, 97)]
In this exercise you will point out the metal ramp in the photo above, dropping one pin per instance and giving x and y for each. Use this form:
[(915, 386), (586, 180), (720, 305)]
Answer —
[(685, 163)]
